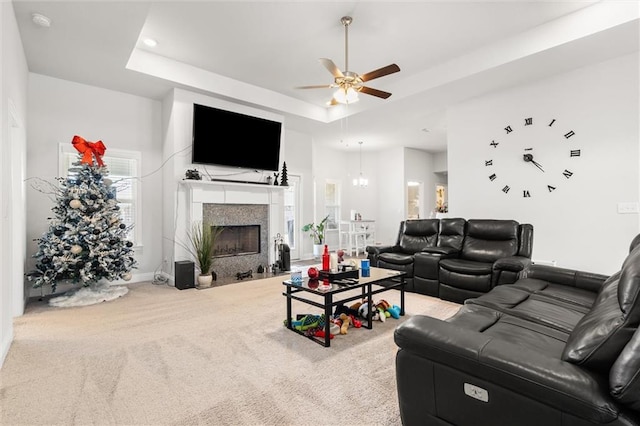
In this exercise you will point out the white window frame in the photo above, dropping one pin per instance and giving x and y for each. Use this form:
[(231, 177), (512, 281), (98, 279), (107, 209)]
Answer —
[(69, 155)]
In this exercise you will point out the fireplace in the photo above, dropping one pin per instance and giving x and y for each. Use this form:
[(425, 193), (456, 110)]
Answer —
[(244, 243), (237, 240), (227, 204)]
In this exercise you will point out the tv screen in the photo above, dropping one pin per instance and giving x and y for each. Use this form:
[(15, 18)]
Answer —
[(226, 138)]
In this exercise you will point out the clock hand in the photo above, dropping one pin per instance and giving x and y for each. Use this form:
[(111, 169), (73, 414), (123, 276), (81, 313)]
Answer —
[(537, 165), (528, 158)]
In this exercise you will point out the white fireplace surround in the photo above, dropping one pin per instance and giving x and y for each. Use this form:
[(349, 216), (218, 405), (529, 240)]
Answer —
[(200, 192)]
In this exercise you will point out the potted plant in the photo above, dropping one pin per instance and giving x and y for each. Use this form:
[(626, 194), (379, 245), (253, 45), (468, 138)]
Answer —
[(202, 239), (317, 233)]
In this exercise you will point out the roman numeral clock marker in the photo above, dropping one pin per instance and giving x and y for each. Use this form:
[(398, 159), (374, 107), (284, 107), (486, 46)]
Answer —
[(540, 152)]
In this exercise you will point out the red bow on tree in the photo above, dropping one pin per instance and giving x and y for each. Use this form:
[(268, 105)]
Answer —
[(89, 150)]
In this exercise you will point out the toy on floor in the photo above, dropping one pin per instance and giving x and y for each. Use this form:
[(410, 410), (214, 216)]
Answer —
[(306, 322), (394, 311), (341, 309), (376, 313), (320, 333), (346, 321), (355, 321)]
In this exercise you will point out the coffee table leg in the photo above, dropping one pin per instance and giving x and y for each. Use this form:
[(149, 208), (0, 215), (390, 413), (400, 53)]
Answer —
[(369, 307), (328, 301), (289, 325), (402, 297)]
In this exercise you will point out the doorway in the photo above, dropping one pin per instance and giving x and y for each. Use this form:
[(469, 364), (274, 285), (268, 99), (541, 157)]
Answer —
[(415, 200), (292, 216)]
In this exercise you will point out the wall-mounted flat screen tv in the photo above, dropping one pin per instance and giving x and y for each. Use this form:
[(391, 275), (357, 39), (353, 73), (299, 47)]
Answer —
[(226, 138)]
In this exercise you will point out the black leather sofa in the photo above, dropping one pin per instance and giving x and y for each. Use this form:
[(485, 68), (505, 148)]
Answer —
[(454, 258), (557, 347)]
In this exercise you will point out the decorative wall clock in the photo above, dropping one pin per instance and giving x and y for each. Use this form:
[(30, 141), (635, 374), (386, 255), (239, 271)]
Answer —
[(532, 158)]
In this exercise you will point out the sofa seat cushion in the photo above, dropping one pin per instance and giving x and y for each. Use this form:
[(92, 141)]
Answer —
[(461, 274), (532, 306), (572, 295), (466, 267), (398, 262), (524, 333), (396, 258)]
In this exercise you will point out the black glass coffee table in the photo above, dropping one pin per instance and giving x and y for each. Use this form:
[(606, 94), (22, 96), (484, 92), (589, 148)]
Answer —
[(325, 295)]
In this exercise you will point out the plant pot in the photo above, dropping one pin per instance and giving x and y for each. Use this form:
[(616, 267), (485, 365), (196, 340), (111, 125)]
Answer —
[(205, 280), (317, 249)]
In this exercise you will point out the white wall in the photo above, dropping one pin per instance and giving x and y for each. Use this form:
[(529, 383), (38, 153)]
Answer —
[(440, 162), (13, 116), (391, 195), (60, 109), (576, 225)]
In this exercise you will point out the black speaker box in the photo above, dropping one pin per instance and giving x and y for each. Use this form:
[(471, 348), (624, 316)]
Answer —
[(184, 274)]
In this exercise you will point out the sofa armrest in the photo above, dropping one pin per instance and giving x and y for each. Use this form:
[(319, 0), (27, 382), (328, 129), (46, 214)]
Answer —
[(507, 270), (374, 251), (564, 386), (569, 277), (512, 263)]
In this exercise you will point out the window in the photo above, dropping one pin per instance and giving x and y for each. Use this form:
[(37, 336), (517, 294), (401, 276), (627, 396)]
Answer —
[(124, 171)]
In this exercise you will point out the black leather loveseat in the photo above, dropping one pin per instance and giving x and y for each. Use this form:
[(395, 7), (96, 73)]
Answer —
[(557, 347), (454, 258)]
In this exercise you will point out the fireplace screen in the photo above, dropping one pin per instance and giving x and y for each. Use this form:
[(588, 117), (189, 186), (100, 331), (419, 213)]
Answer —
[(237, 240)]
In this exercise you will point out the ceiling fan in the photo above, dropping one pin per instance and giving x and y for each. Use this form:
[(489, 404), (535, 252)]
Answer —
[(348, 82)]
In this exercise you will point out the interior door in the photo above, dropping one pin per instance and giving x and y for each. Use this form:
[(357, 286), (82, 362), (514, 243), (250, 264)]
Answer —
[(292, 216)]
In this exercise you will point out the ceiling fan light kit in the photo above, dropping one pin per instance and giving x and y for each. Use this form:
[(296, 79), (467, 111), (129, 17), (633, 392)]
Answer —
[(349, 83), (347, 96)]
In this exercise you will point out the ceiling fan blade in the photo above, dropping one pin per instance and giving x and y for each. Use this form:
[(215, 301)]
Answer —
[(332, 67), (380, 72), (319, 86), (374, 92)]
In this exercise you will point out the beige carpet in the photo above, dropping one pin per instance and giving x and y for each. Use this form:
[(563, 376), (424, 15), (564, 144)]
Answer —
[(161, 356)]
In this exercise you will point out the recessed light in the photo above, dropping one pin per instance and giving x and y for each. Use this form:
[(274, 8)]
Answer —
[(150, 42), (41, 20)]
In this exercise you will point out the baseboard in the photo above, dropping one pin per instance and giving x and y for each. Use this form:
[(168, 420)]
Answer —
[(6, 344), (136, 278)]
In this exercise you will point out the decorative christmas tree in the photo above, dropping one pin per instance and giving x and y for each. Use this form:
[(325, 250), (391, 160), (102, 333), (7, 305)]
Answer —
[(86, 240), (284, 180)]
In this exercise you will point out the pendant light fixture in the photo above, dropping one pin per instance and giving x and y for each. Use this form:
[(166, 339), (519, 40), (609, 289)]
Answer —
[(361, 180)]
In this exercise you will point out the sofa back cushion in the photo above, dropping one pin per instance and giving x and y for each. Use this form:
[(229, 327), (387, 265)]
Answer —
[(599, 337), (624, 377), (488, 240), (419, 234), (451, 233)]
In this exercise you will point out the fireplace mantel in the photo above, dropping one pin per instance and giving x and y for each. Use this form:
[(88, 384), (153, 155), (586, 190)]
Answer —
[(229, 184)]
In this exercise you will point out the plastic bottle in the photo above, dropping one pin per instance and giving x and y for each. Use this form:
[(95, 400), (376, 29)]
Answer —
[(326, 259)]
